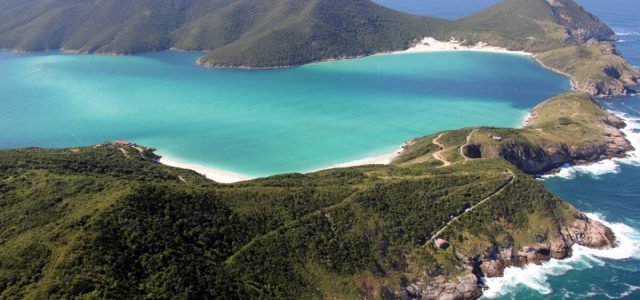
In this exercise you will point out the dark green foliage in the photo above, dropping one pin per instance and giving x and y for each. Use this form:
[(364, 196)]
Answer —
[(270, 33), (22, 268), (159, 242), (253, 33), (124, 227)]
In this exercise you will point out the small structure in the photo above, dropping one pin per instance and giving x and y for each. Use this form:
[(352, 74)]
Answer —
[(496, 138), (441, 243), (121, 143)]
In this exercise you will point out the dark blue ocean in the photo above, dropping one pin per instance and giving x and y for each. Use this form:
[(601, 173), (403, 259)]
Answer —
[(609, 191)]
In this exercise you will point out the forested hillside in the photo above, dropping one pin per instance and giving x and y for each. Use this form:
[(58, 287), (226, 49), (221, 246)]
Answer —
[(253, 33), (96, 222), (279, 32)]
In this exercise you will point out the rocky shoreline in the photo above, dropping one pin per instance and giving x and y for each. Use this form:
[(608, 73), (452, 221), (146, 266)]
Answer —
[(493, 261), (547, 160)]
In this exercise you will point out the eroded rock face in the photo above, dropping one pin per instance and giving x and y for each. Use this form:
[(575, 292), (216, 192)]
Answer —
[(583, 231), (537, 160), (589, 233), (463, 288), (493, 261)]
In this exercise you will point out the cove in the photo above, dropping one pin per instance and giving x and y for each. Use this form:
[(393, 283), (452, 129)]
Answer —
[(262, 122)]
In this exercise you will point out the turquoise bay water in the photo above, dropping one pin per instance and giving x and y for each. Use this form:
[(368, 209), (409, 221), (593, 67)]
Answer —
[(609, 191), (262, 122)]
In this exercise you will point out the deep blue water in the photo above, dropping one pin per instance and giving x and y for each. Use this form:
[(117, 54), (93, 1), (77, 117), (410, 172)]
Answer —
[(610, 190)]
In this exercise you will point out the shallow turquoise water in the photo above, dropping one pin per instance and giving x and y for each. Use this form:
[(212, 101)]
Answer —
[(262, 122)]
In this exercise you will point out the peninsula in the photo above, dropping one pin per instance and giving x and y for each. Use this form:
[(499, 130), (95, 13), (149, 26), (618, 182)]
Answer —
[(110, 221)]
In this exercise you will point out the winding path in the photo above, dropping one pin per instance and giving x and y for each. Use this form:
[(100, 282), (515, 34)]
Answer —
[(468, 210), (438, 155)]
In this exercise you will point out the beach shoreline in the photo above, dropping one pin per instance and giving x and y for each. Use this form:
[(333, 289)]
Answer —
[(429, 44), (228, 177), (215, 174)]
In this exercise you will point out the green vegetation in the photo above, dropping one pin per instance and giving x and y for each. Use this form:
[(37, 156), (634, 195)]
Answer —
[(569, 128), (596, 68), (110, 222), (253, 33), (531, 25), (96, 222)]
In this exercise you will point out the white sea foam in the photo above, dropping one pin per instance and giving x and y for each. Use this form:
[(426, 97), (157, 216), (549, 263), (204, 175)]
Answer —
[(629, 291), (536, 277), (627, 33), (632, 132)]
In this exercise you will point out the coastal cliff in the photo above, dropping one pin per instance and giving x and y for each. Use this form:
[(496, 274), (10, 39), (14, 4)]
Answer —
[(596, 68), (570, 129), (492, 261)]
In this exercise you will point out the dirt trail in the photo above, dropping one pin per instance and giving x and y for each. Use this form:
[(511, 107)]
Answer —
[(468, 210), (438, 155)]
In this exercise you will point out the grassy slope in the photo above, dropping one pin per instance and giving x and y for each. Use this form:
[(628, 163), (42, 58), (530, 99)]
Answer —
[(568, 128), (596, 69), (95, 222)]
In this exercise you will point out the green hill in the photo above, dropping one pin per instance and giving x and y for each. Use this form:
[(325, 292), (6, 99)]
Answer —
[(254, 33), (94, 222), (531, 25), (257, 33)]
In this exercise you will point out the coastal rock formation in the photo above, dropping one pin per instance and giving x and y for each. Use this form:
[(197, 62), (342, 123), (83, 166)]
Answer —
[(539, 159), (589, 233), (536, 160), (493, 261), (583, 231), (462, 288)]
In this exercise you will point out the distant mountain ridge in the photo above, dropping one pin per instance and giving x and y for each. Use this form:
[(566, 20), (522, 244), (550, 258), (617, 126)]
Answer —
[(270, 33), (255, 33), (533, 25)]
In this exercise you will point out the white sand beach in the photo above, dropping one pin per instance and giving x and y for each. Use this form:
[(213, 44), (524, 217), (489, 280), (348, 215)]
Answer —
[(430, 44), (383, 159), (223, 176), (216, 175)]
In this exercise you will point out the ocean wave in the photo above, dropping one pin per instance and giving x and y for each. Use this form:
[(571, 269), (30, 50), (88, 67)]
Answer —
[(629, 291), (609, 166), (536, 277), (627, 33)]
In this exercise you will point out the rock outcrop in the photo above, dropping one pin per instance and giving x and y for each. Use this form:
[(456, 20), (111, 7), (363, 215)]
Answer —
[(534, 159), (583, 231), (493, 261), (462, 288)]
